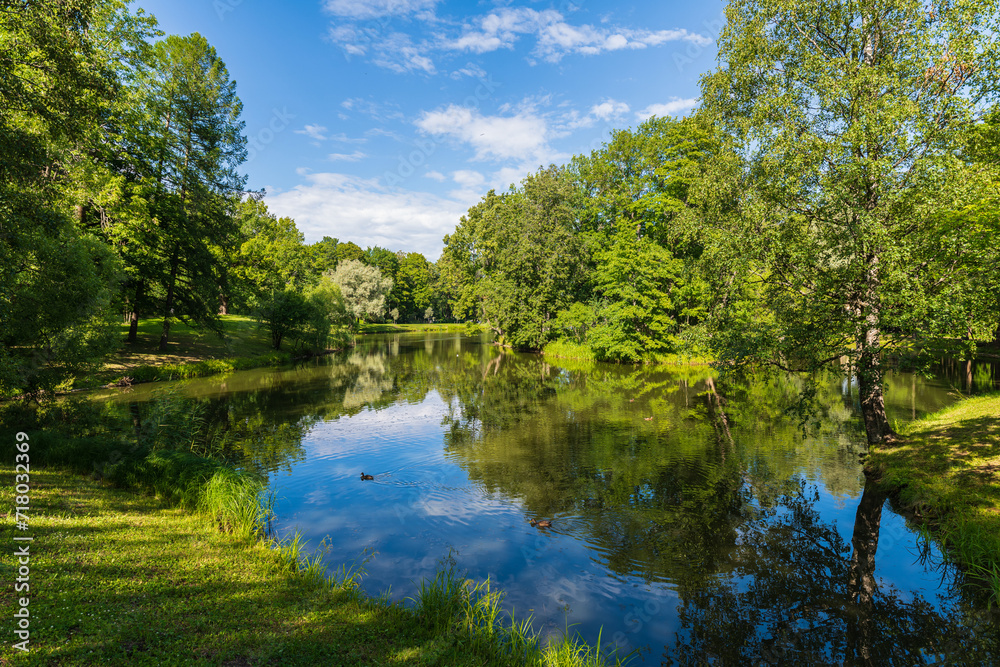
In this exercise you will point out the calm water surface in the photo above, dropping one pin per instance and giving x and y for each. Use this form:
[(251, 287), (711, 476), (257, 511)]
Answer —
[(692, 518)]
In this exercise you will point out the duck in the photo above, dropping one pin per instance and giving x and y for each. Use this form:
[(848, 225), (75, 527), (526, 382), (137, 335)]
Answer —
[(364, 476), (541, 523)]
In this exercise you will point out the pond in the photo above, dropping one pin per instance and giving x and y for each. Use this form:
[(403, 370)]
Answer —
[(693, 520)]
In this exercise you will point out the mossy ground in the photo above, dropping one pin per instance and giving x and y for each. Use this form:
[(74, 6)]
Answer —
[(123, 579), (946, 471)]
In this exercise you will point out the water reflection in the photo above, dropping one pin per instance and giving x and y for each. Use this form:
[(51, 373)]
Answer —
[(689, 514), (801, 595)]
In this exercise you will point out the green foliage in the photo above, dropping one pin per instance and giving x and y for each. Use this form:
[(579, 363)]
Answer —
[(237, 504), (515, 261), (268, 254), (327, 308), (634, 278), (412, 287), (364, 290), (575, 322), (845, 121), (194, 145), (57, 280), (285, 313)]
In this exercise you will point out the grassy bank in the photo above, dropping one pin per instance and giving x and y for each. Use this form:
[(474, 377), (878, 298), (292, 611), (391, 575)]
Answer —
[(122, 579), (191, 353), (946, 471), (119, 578)]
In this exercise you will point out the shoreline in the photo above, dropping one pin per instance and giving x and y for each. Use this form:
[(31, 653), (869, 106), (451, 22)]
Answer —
[(945, 473), (127, 578)]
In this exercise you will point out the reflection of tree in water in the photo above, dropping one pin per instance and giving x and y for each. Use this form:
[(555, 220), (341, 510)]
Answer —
[(800, 595), (370, 382)]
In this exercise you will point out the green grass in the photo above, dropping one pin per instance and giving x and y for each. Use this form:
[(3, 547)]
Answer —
[(191, 353), (122, 579), (242, 338), (565, 349), (946, 471)]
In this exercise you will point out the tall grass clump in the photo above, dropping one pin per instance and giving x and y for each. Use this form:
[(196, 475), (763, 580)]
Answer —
[(237, 504), (293, 558), (473, 614)]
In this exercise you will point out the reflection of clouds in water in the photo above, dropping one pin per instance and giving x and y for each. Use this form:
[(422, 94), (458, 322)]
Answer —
[(317, 497), (373, 431)]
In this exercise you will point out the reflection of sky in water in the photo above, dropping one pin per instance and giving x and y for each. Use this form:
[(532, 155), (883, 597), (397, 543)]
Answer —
[(421, 505)]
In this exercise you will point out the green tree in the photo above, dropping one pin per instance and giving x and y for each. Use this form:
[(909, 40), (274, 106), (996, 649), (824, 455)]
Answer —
[(364, 290), (516, 259), (61, 75), (327, 308), (412, 287), (348, 251), (284, 313), (645, 176), (268, 254), (196, 138), (324, 255), (634, 279), (387, 262), (847, 118)]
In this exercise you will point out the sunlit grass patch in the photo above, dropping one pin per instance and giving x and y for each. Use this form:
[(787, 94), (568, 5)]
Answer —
[(567, 349)]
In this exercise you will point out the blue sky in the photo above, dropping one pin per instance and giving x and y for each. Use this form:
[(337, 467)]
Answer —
[(381, 121)]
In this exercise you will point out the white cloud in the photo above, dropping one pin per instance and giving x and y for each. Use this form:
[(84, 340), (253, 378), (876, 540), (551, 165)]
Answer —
[(470, 188), (470, 70), (366, 9), (609, 109), (468, 178), (314, 131), (521, 136), (384, 43), (366, 212), (556, 38), (344, 139), (347, 157), (436, 176), (670, 108)]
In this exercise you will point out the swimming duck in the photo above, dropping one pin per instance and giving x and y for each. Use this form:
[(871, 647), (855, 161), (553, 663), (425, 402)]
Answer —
[(541, 523), (364, 476)]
